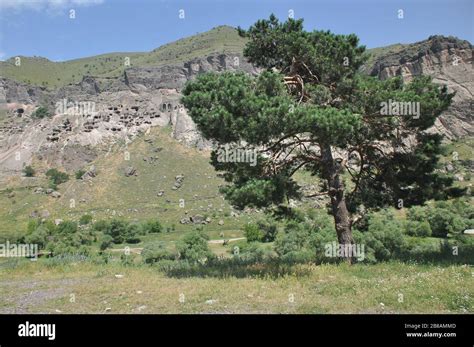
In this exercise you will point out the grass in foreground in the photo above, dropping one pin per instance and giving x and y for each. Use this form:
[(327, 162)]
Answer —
[(83, 287)]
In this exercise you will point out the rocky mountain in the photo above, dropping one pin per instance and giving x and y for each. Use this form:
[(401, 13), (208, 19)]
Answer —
[(449, 61), (101, 110)]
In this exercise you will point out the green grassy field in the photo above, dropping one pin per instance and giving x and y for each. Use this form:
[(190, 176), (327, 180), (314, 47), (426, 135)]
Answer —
[(35, 287)]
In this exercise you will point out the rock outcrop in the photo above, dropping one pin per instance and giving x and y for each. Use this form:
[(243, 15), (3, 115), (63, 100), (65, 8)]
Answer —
[(449, 61), (100, 111)]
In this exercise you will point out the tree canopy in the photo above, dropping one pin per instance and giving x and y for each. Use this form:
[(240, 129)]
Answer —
[(311, 109)]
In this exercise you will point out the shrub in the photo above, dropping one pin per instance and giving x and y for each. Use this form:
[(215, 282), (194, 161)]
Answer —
[(132, 233), (306, 240), (318, 243), (29, 171), (416, 228), (384, 238), (105, 242), (79, 174), (417, 214), (253, 252), (252, 233), (268, 228), (85, 219), (443, 217), (194, 248), (443, 221), (151, 226), (100, 225), (299, 257), (121, 231), (295, 238), (56, 177), (67, 227), (41, 112), (156, 251), (64, 238)]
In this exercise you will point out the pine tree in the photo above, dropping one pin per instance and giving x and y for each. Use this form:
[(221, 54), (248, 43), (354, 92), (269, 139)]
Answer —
[(311, 109)]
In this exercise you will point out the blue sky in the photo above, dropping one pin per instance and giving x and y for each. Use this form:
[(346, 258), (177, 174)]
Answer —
[(43, 27)]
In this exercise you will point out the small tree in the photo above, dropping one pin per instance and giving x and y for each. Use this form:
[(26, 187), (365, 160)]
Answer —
[(41, 112), (194, 248), (57, 177), (121, 231), (85, 219), (28, 171), (310, 109), (79, 174), (253, 233), (151, 226)]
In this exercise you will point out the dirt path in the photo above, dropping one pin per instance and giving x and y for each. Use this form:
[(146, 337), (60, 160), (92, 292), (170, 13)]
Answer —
[(138, 250)]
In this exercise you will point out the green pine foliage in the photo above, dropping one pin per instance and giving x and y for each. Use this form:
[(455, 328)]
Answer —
[(309, 105)]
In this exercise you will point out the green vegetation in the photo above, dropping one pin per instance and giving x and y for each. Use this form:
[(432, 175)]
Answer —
[(312, 102), (152, 226), (315, 289), (252, 233), (121, 231), (62, 239), (193, 247), (29, 171), (43, 72), (79, 174), (56, 177), (41, 112), (85, 219), (244, 262), (156, 251)]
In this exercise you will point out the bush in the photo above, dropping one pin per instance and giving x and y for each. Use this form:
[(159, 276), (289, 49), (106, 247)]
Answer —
[(62, 239), (269, 229), (252, 233), (79, 174), (29, 171), (442, 221), (121, 231), (151, 226), (56, 177), (415, 228), (105, 242), (417, 214), (41, 112), (253, 252), (299, 257), (384, 238), (307, 240), (444, 217), (100, 225), (85, 219), (194, 248), (295, 238), (155, 252)]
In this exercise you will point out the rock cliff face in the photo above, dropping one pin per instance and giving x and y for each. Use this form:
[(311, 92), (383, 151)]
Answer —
[(99, 112), (16, 92), (449, 61), (174, 77)]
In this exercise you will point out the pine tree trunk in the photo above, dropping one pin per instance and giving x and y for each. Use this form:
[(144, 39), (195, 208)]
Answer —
[(332, 174)]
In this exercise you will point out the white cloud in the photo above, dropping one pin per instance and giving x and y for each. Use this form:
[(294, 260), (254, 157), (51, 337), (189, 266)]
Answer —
[(45, 4)]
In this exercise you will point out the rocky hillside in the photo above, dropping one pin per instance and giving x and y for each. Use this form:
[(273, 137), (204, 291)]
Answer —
[(114, 104), (449, 61), (40, 71), (103, 109)]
